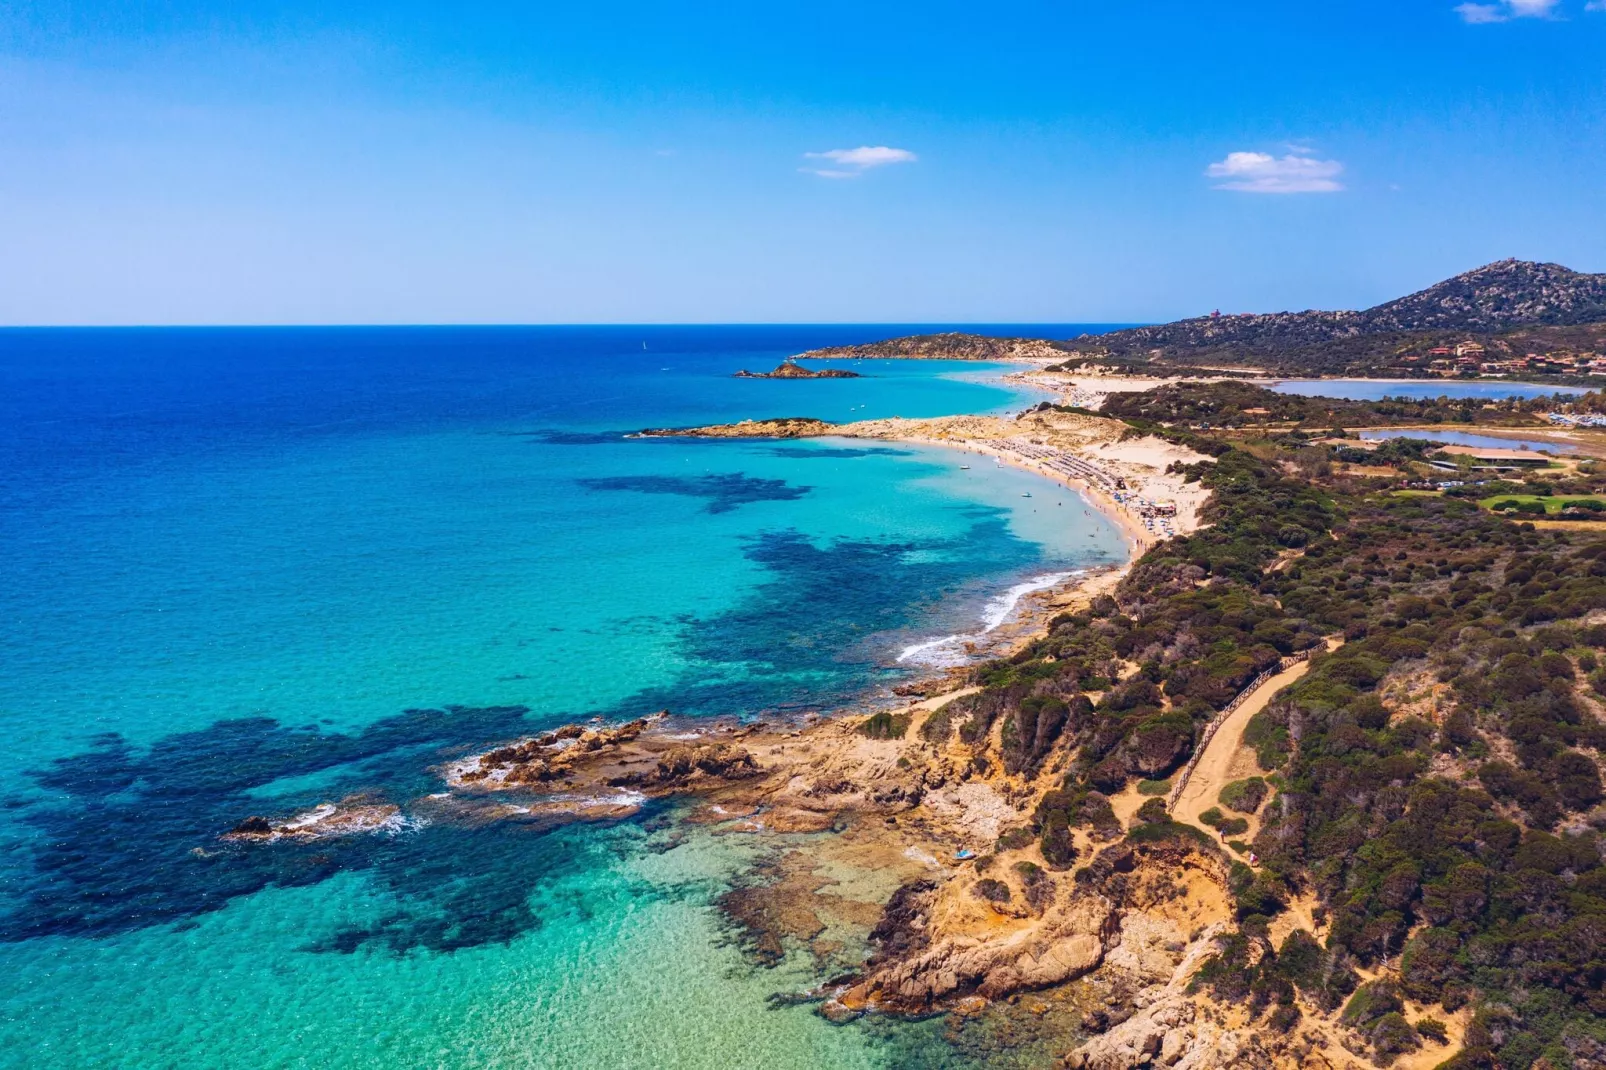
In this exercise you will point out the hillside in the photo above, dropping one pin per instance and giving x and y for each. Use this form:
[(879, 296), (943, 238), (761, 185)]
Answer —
[(1492, 299), (1420, 811), (1512, 317)]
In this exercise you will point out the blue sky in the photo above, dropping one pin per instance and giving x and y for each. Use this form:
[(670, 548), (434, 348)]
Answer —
[(329, 162)]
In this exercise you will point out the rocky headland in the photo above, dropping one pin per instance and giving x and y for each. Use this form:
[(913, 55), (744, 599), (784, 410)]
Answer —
[(950, 345), (791, 370)]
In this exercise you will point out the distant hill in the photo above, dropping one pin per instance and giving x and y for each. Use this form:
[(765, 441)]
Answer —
[(1494, 298), (1509, 309), (1497, 297)]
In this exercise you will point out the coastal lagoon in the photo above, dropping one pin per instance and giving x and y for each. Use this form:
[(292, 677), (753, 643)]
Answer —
[(1466, 438), (1377, 389), (251, 570)]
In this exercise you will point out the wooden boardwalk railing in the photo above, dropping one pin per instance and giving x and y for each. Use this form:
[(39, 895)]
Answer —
[(1226, 711)]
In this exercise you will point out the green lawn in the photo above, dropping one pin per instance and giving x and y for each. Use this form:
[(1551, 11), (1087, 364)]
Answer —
[(1553, 503)]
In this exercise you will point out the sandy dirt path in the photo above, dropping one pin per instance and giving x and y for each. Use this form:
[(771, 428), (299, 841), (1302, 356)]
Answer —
[(1220, 763)]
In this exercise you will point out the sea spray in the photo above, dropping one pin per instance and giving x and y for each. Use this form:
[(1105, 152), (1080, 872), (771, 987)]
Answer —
[(949, 649)]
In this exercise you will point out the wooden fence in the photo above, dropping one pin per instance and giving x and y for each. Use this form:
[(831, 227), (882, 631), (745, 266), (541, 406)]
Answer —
[(1226, 711)]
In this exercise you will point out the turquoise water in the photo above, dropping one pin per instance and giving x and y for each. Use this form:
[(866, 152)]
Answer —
[(252, 570)]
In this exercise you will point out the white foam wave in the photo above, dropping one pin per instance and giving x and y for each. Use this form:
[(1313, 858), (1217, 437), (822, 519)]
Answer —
[(949, 649)]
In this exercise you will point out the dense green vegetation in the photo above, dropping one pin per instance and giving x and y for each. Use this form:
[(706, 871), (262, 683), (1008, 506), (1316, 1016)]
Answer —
[(1383, 354), (1434, 783), (1233, 403)]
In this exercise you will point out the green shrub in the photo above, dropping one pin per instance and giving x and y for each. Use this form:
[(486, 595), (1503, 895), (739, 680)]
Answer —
[(1055, 842), (1037, 885), (1269, 739), (1283, 1019), (1392, 1036), (1153, 810), (1434, 1030), (1245, 796), (885, 725), (991, 890), (939, 726), (1154, 787), (1014, 839), (1371, 1002)]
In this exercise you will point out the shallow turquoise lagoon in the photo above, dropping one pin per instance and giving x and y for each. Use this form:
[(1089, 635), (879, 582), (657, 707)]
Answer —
[(251, 570)]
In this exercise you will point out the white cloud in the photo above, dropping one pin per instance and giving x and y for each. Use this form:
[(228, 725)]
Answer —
[(1595, 5), (1259, 172), (1506, 10), (851, 163)]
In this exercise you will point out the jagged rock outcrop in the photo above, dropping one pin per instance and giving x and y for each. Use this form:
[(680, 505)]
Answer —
[(549, 756), (718, 760), (915, 974), (1164, 1025)]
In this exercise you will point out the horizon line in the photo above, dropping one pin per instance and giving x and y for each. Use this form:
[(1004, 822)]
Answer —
[(525, 326)]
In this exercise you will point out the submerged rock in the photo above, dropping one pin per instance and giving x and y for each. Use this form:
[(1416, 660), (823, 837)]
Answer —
[(350, 816), (838, 1013)]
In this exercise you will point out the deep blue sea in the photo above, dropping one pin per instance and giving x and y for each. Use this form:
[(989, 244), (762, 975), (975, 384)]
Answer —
[(248, 570)]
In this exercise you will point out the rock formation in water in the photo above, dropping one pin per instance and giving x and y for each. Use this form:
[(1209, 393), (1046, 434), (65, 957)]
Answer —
[(791, 370)]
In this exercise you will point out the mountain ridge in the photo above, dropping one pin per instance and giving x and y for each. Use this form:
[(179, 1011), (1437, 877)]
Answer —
[(1500, 296), (1509, 307)]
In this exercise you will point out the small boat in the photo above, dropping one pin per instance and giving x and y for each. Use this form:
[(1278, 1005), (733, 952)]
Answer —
[(1026, 494), (964, 468)]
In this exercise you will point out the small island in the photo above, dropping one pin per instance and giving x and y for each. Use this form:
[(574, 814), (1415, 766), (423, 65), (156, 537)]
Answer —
[(789, 370)]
